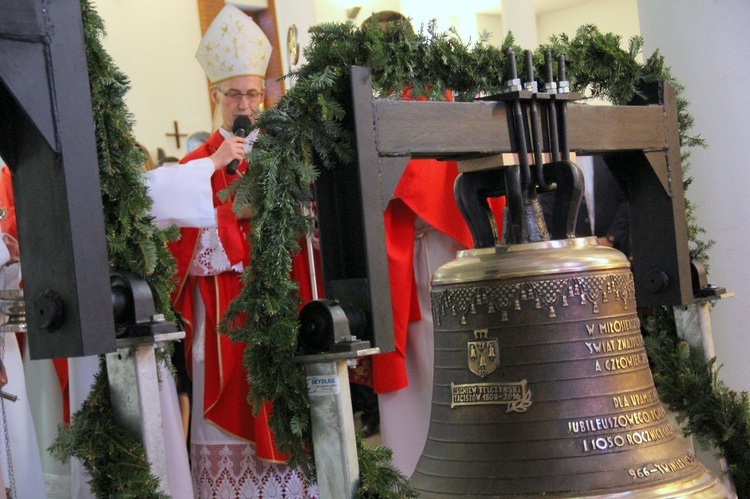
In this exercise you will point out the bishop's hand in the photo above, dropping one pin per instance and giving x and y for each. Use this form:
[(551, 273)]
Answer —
[(232, 148)]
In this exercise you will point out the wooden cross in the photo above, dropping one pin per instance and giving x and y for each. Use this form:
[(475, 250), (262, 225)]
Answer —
[(176, 134)]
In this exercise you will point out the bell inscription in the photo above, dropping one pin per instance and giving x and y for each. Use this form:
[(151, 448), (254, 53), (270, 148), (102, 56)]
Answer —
[(515, 395), (564, 329)]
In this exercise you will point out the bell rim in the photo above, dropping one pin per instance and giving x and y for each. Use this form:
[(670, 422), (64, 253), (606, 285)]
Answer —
[(706, 486), (703, 485)]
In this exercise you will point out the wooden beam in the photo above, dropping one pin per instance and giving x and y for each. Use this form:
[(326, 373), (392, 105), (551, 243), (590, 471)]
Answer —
[(501, 160), (474, 129), (640, 142)]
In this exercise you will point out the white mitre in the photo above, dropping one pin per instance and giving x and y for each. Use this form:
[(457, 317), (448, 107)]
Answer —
[(233, 46)]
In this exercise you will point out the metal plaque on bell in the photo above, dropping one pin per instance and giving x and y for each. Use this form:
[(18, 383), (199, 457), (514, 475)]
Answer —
[(542, 384)]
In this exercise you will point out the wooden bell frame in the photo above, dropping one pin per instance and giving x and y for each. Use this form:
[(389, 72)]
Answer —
[(640, 144)]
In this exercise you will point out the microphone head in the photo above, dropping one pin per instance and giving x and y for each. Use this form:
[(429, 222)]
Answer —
[(241, 126)]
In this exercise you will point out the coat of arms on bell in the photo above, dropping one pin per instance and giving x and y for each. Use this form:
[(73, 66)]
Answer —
[(483, 354)]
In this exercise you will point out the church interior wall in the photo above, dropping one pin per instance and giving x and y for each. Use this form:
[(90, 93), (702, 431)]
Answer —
[(610, 16), (156, 52), (704, 43), (336, 10), (491, 25), (302, 15)]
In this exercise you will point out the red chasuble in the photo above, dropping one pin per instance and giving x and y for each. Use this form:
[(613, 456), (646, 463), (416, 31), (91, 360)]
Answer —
[(226, 387)]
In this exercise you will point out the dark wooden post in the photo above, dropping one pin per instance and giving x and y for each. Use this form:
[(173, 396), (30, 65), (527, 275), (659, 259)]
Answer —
[(47, 138)]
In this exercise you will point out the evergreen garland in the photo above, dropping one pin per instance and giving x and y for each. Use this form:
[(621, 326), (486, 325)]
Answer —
[(115, 459), (378, 478), (707, 409)]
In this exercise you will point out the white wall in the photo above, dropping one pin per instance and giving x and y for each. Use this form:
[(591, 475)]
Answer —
[(610, 16), (157, 52), (302, 15), (421, 12), (447, 14), (492, 24), (335, 10), (706, 44), (470, 18)]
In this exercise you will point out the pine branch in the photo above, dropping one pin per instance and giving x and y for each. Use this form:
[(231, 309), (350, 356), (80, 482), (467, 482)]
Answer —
[(114, 459), (379, 479), (707, 409)]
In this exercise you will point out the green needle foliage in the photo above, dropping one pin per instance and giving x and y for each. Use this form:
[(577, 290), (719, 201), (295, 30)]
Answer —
[(378, 478), (115, 459), (707, 409)]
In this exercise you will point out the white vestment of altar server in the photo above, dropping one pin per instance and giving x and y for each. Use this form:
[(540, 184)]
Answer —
[(24, 451), (46, 401)]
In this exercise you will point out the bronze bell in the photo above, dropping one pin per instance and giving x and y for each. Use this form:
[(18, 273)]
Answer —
[(542, 384)]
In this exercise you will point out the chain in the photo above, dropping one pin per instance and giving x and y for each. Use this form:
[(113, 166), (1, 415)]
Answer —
[(6, 434)]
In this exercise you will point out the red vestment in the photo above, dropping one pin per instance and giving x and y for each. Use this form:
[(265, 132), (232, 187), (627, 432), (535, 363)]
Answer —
[(8, 224), (226, 386)]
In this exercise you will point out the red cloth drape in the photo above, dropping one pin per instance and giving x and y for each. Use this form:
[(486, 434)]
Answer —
[(8, 224)]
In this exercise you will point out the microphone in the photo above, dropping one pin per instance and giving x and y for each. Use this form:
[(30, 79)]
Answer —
[(240, 128)]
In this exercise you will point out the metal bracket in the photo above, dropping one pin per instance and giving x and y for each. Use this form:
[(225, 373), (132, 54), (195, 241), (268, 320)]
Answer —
[(134, 389)]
